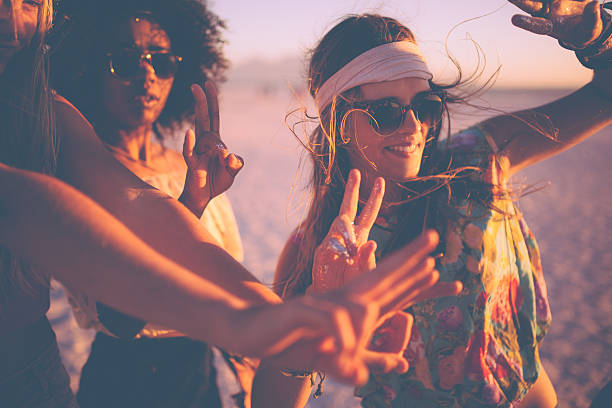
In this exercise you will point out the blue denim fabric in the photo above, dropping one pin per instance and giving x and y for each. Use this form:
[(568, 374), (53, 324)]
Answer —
[(152, 373), (43, 383)]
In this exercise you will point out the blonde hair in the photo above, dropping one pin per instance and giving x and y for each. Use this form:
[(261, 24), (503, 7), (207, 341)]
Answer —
[(29, 141)]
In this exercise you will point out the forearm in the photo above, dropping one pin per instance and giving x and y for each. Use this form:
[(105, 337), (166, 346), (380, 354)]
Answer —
[(169, 228), (61, 231), (271, 388), (531, 135), (602, 80)]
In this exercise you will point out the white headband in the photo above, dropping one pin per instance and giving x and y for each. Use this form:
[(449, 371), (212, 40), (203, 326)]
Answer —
[(387, 62)]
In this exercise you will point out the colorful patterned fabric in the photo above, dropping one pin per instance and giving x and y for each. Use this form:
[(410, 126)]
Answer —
[(480, 348)]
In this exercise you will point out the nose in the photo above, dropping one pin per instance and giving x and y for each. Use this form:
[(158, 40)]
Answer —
[(147, 72), (411, 124)]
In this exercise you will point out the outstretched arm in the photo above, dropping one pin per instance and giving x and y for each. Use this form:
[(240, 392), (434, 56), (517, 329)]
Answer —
[(60, 230), (529, 136), (66, 234)]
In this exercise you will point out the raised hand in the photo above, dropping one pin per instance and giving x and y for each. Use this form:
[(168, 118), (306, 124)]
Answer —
[(210, 167), (575, 23), (345, 252)]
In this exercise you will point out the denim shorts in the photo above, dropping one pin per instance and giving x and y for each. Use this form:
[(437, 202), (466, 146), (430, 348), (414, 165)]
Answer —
[(152, 373), (42, 383)]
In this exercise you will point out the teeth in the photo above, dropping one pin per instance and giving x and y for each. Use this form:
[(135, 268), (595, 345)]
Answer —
[(404, 148)]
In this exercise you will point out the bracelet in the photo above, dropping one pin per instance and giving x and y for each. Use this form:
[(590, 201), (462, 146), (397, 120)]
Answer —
[(598, 55), (307, 374), (298, 373)]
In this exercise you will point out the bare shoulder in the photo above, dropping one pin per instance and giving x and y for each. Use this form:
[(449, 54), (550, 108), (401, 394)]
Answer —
[(63, 106), (69, 121)]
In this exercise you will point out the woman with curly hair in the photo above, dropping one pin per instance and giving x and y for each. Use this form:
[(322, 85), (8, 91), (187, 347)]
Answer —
[(381, 112), (138, 60)]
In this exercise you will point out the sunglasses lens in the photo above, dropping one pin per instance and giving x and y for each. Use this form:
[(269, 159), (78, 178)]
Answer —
[(428, 109), (125, 64), (129, 64), (165, 65), (387, 116)]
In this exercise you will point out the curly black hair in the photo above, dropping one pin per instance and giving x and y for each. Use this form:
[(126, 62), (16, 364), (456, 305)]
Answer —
[(79, 43)]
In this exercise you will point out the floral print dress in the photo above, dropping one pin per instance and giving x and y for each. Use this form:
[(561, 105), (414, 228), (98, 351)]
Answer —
[(480, 348)]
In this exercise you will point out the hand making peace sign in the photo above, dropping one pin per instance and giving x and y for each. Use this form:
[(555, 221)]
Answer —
[(211, 169), (345, 253)]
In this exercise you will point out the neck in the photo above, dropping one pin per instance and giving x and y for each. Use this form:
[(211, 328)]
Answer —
[(134, 142)]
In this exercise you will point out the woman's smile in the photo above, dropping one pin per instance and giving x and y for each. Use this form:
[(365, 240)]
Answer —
[(404, 149)]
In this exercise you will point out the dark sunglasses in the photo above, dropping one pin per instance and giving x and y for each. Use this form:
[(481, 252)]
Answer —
[(127, 64), (388, 115)]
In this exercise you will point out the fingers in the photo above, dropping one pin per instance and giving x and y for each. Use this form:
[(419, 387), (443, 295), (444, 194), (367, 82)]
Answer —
[(233, 164), (529, 6), (440, 289), (404, 293), (338, 238), (367, 257), (213, 105), (370, 211), (188, 144), (202, 116), (382, 363), (341, 240), (398, 268), (536, 25), (393, 335), (330, 318), (350, 201)]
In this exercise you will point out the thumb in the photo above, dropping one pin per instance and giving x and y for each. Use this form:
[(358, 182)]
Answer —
[(188, 144), (592, 24), (367, 256)]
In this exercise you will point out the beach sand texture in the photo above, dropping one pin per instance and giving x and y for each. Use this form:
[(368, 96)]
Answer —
[(571, 218)]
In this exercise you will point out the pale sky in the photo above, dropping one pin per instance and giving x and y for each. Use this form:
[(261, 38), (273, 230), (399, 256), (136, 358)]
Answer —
[(273, 29)]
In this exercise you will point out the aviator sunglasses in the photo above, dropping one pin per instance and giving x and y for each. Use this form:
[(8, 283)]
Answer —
[(388, 115), (127, 64)]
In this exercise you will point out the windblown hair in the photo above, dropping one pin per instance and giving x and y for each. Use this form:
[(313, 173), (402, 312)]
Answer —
[(82, 41), (326, 146), (28, 140)]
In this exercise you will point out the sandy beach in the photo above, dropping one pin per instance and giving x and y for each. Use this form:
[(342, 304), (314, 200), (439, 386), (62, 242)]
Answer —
[(571, 218)]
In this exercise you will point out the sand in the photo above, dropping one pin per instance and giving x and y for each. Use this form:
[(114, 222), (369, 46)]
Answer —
[(571, 219)]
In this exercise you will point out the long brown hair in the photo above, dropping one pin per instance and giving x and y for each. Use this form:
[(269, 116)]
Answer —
[(28, 139), (327, 145)]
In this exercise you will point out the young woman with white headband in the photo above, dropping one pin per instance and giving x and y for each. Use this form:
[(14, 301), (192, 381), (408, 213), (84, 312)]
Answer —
[(165, 268), (380, 112)]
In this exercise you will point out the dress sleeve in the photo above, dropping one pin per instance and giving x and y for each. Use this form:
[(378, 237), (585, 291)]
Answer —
[(473, 148)]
